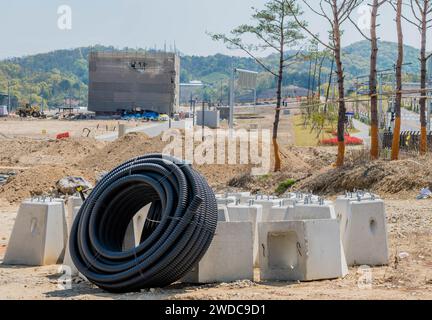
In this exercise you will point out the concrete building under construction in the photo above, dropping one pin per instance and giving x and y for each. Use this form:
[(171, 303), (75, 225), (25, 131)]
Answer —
[(133, 81)]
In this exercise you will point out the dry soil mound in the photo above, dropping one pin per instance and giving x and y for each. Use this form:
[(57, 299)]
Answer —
[(29, 152), (381, 176), (39, 180)]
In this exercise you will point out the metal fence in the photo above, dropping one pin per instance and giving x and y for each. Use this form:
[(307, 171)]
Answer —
[(409, 140)]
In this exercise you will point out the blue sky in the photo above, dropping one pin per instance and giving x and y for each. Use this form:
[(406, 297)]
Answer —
[(29, 26)]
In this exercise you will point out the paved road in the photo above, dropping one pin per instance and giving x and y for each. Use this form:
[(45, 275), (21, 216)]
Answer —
[(364, 132)]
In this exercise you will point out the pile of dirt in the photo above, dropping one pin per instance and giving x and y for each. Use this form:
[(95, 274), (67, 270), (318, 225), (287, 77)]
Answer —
[(300, 161), (30, 152), (46, 162), (39, 180), (86, 158), (138, 144), (383, 177), (121, 150)]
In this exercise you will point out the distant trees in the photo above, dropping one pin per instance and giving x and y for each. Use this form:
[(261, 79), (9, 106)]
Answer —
[(334, 13), (275, 30)]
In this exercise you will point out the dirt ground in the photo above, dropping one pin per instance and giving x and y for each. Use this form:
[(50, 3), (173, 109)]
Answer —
[(47, 128), (38, 161), (409, 277)]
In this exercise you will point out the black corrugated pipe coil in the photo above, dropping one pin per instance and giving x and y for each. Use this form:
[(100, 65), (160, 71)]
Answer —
[(179, 228)]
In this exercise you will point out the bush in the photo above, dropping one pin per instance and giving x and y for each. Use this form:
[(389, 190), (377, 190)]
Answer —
[(284, 186)]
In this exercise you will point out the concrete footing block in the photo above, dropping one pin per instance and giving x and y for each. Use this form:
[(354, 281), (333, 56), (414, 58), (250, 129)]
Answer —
[(301, 250), (314, 211), (229, 258), (39, 235), (134, 231), (267, 206), (281, 213), (227, 200), (72, 203), (242, 197), (248, 213), (67, 261), (364, 236), (223, 215)]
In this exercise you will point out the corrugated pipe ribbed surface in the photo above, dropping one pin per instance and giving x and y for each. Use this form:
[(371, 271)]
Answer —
[(179, 229)]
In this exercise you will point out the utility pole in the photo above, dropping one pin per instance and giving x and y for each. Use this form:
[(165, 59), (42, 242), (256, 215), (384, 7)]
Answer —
[(380, 101), (232, 98), (356, 95), (193, 112), (9, 97), (221, 93)]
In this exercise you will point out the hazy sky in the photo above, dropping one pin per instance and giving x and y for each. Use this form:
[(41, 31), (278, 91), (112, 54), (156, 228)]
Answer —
[(29, 26)]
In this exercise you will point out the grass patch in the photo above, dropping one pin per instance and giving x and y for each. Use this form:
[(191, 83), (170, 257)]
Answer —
[(284, 186), (303, 135), (264, 178), (305, 138)]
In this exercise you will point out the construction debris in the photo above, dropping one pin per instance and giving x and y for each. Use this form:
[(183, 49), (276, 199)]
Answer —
[(69, 185), (4, 177)]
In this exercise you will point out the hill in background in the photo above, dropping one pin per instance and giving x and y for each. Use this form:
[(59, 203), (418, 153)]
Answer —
[(52, 77)]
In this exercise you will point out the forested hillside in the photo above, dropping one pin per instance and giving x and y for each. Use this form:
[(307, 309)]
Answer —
[(51, 77)]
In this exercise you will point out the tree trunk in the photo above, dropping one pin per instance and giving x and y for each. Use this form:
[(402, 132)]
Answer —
[(373, 85), (423, 62), (314, 78), (278, 160), (398, 102), (340, 74), (310, 78), (329, 85), (319, 76)]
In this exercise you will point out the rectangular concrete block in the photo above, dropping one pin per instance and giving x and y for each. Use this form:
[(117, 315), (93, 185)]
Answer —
[(39, 234), (209, 119), (342, 206), (67, 261), (301, 250), (134, 231), (223, 215), (246, 213), (365, 237), (267, 206), (72, 203), (281, 213), (226, 200), (241, 197), (314, 211), (229, 258)]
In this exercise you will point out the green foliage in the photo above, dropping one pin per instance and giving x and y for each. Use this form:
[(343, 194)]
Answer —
[(54, 76), (264, 178), (284, 186)]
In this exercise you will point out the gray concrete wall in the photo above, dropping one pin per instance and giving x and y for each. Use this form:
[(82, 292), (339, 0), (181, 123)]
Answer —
[(124, 81)]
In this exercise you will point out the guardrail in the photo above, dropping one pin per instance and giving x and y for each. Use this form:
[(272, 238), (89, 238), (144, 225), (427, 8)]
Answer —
[(409, 140)]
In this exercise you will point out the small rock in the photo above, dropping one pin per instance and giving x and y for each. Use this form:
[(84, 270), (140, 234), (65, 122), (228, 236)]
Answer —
[(404, 255), (69, 185)]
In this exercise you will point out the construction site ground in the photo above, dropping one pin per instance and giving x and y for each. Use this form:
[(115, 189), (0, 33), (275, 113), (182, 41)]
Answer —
[(29, 150)]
